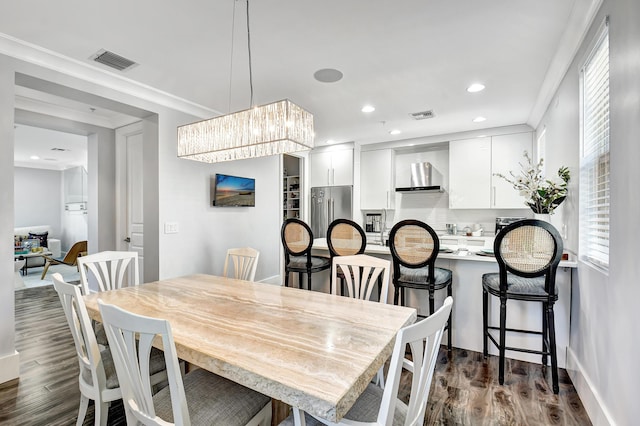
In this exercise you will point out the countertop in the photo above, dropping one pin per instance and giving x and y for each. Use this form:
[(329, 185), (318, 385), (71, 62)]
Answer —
[(474, 246)]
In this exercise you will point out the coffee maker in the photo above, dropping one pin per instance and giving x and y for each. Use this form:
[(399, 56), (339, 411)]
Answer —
[(502, 222)]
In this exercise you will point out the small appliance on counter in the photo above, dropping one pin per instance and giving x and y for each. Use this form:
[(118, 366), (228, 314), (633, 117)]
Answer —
[(502, 222), (373, 222)]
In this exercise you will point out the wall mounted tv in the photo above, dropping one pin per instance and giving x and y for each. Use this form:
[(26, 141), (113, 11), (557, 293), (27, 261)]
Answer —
[(234, 191)]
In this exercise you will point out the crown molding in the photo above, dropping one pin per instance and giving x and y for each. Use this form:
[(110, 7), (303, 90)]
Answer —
[(51, 60), (582, 15)]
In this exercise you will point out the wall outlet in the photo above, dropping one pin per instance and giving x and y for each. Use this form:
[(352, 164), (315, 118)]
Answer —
[(171, 227)]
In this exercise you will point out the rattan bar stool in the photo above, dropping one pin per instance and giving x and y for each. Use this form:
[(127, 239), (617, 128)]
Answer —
[(414, 248), (528, 253), (297, 240), (344, 238)]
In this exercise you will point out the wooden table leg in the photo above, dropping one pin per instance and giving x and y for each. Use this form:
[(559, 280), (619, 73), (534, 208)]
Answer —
[(279, 412)]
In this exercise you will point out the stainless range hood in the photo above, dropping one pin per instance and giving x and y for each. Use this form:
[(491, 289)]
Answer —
[(421, 179)]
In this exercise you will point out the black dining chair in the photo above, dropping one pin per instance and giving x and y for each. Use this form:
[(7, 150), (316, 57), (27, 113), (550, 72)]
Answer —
[(297, 240), (414, 249), (344, 238), (528, 253)]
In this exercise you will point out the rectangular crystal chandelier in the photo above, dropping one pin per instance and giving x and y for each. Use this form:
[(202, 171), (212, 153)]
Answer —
[(277, 128)]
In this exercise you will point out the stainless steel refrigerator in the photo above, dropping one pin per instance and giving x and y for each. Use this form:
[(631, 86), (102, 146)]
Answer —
[(327, 204)]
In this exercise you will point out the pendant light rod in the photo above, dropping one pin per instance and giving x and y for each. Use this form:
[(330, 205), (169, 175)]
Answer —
[(249, 50), (279, 127)]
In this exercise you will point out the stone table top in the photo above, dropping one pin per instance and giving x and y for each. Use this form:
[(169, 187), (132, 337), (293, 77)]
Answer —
[(311, 350)]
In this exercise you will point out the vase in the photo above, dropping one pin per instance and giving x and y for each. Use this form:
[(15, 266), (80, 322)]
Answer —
[(542, 216)]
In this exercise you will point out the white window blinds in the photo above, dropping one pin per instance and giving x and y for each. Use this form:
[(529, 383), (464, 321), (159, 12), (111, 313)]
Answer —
[(594, 164)]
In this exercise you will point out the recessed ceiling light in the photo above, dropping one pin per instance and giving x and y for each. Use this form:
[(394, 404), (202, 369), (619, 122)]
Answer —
[(395, 132), (368, 108), (327, 75), (330, 142), (475, 87), (34, 157), (479, 119)]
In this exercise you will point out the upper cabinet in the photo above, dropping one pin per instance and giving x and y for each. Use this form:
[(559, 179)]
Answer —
[(472, 164), (506, 154), (377, 179), (75, 185), (470, 173), (331, 168)]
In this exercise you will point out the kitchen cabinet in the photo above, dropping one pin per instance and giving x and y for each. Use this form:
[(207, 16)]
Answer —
[(377, 179), (506, 154), (472, 164), (333, 167), (470, 173)]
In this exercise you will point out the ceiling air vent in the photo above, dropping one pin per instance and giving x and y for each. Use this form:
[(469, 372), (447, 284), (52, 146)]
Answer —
[(422, 115), (60, 149), (113, 60)]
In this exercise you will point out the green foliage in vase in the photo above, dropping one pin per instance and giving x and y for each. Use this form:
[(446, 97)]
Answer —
[(541, 195)]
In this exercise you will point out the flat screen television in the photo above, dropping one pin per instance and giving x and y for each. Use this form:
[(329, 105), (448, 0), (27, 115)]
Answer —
[(234, 191)]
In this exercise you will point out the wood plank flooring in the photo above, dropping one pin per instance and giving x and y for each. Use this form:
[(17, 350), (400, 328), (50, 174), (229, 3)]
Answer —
[(465, 389)]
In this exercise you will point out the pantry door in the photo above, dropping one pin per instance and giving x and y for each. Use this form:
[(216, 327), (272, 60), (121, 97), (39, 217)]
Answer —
[(129, 191)]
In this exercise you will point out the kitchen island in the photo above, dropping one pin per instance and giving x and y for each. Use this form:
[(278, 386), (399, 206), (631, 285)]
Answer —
[(468, 265)]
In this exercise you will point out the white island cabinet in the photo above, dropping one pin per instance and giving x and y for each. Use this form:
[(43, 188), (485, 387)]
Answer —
[(377, 179), (472, 167), (331, 167), (467, 272)]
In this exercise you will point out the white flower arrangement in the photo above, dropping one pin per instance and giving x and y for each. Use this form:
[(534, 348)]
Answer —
[(541, 195)]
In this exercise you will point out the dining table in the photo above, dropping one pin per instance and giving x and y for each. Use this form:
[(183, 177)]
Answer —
[(314, 351)]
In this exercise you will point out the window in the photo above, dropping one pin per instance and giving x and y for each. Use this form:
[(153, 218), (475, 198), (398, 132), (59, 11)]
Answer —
[(594, 162)]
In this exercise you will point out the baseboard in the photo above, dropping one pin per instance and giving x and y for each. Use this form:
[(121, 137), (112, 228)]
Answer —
[(10, 367), (275, 280), (593, 404)]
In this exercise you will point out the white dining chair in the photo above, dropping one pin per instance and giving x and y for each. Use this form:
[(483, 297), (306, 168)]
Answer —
[(198, 398), (377, 407), (243, 262), (361, 273), (109, 269), (97, 380)]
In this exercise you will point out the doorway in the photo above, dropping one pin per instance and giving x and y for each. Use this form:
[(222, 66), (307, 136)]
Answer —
[(50, 199)]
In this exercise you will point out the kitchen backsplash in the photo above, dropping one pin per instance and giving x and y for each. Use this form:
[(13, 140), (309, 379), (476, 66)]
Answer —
[(434, 209)]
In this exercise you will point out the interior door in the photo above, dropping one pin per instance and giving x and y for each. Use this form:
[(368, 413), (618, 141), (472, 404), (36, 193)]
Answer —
[(129, 174)]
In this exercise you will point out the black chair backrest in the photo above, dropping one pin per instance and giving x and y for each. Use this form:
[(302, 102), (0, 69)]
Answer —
[(345, 238), (529, 248), (413, 244), (297, 239)]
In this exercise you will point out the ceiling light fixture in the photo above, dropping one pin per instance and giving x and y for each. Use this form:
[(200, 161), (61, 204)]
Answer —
[(34, 157), (368, 108), (276, 128), (395, 132), (475, 87), (479, 119)]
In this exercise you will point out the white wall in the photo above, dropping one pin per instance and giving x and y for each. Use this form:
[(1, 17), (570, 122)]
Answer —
[(175, 191), (38, 198), (604, 340), (9, 359), (206, 232)]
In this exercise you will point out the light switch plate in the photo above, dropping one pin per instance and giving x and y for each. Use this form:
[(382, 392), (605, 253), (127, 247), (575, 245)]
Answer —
[(171, 227)]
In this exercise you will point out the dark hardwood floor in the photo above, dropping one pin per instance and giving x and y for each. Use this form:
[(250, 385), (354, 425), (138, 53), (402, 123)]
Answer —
[(465, 389)]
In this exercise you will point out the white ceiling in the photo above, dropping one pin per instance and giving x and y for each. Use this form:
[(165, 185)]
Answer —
[(55, 150), (399, 56)]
